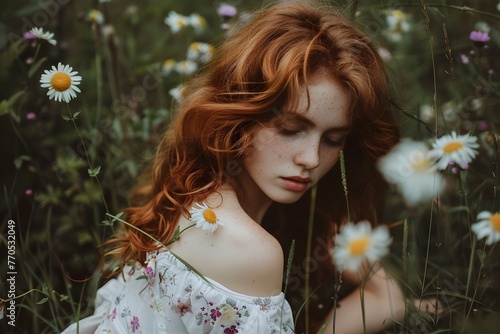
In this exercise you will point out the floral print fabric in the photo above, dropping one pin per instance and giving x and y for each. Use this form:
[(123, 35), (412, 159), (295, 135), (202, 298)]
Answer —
[(167, 297)]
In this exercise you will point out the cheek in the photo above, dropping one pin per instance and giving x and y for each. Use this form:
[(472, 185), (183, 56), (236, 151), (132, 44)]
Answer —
[(329, 161)]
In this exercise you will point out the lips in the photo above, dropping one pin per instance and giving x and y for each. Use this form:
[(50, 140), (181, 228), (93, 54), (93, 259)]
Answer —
[(296, 183)]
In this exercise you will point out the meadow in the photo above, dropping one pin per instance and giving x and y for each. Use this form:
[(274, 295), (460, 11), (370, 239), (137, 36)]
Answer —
[(69, 160)]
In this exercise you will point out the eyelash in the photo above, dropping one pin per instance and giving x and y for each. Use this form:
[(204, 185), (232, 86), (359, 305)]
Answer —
[(328, 142)]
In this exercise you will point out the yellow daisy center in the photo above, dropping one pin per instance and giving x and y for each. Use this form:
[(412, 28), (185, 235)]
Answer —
[(358, 247), (452, 147), (60, 81), (210, 216), (495, 221)]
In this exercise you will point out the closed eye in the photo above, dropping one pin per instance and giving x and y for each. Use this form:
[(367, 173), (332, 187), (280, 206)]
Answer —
[(288, 132), (334, 142)]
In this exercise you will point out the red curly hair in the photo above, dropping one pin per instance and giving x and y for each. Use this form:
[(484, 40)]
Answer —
[(258, 69)]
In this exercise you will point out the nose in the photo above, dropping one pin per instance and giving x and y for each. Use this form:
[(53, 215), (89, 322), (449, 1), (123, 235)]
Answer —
[(307, 155)]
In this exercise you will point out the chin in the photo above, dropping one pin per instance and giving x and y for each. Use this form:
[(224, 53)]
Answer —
[(287, 199)]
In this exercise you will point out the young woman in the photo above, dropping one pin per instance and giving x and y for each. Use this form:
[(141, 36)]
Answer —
[(257, 129)]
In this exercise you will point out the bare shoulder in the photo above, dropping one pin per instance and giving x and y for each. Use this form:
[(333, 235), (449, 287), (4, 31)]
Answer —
[(240, 254), (260, 259)]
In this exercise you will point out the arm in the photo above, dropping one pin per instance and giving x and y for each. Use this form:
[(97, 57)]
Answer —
[(383, 301)]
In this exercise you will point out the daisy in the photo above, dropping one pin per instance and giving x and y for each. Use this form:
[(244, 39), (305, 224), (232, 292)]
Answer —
[(204, 217), (176, 92), (357, 243), (186, 67), (167, 66), (409, 168), (454, 148), (197, 21), (95, 16), (201, 52), (176, 21), (40, 34), (62, 83), (488, 226), (397, 25)]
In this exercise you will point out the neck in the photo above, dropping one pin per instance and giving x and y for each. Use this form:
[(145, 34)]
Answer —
[(256, 209), (252, 199), (254, 204)]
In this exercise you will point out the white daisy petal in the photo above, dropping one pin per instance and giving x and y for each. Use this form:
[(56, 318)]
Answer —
[(453, 148), (357, 243), (61, 82), (46, 36), (176, 21), (204, 217), (410, 169), (488, 227)]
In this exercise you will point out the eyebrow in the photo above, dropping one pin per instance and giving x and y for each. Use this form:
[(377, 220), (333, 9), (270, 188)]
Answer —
[(308, 122)]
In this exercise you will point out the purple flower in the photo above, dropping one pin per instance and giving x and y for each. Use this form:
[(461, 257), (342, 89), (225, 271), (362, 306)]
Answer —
[(28, 192), (482, 125), (31, 116), (226, 11), (29, 35), (134, 323), (464, 58), (479, 38)]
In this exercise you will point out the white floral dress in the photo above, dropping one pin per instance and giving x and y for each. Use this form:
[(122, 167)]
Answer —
[(167, 297)]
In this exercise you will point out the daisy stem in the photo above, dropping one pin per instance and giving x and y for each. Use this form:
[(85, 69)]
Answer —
[(161, 244), (308, 254), (427, 251), (469, 276), (87, 157), (362, 299), (36, 53)]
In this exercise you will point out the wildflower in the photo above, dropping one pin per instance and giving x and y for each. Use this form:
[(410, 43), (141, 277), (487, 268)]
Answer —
[(197, 21), (488, 226), (62, 83), (201, 52), (30, 116), (28, 192), (176, 92), (186, 67), (176, 21), (454, 148), (397, 25), (226, 11), (384, 54), (168, 66), (95, 16), (40, 34), (479, 38), (410, 169), (427, 113), (205, 218), (450, 111), (464, 58), (357, 243)]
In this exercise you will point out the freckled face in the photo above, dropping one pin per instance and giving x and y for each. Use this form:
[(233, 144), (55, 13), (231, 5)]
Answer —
[(289, 158)]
